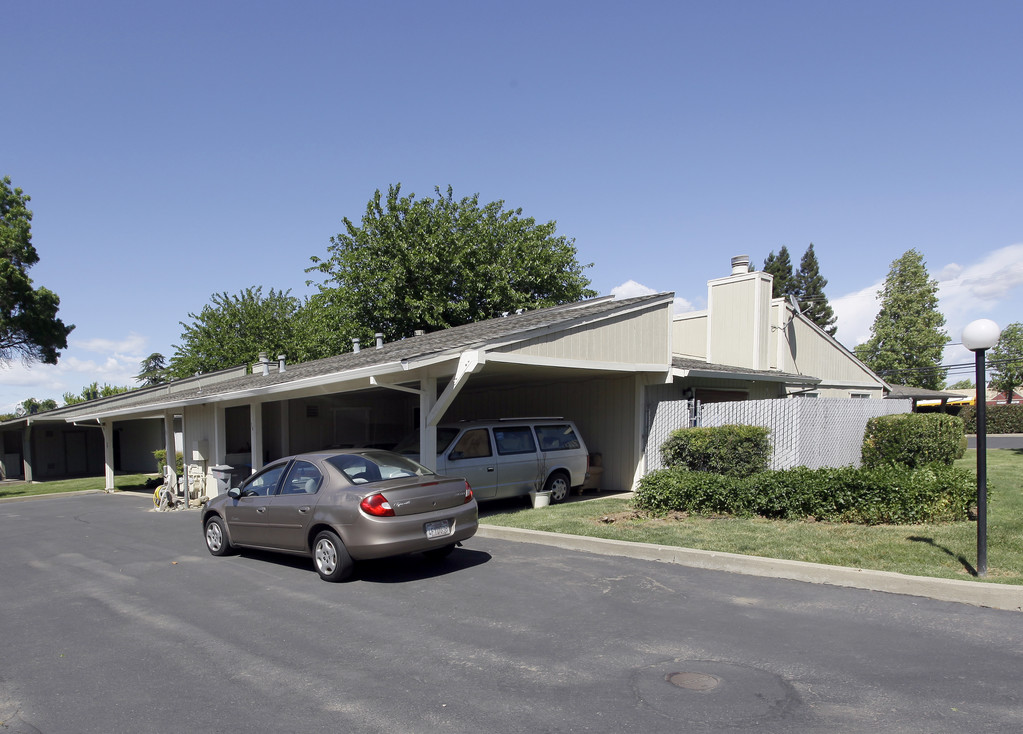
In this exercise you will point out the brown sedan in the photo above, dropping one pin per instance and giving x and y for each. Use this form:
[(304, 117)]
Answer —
[(341, 506)]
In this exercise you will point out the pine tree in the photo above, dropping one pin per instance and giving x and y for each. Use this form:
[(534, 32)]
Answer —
[(780, 266), (907, 339), (808, 288)]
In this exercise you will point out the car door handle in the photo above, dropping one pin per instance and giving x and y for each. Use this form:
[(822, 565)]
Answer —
[(490, 468), (304, 509), (261, 509)]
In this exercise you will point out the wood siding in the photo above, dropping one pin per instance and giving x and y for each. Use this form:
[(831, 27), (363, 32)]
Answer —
[(689, 335), (640, 337)]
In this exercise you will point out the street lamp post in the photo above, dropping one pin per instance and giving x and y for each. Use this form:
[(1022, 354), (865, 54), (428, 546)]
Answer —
[(978, 337)]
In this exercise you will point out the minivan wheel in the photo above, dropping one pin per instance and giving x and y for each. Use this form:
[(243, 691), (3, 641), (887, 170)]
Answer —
[(331, 557), (557, 484)]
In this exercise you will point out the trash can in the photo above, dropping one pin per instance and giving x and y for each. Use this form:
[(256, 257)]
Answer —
[(221, 474)]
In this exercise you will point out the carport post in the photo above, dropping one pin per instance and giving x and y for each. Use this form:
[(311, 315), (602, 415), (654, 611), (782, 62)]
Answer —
[(168, 439), (256, 435), (108, 453), (427, 432)]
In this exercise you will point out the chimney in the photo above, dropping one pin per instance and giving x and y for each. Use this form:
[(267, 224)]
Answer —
[(380, 340), (355, 345), (280, 362), (740, 264), (265, 363)]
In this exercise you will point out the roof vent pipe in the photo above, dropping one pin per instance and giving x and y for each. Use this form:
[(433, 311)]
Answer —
[(419, 332), (380, 340), (740, 264), (265, 363), (355, 345), (280, 362)]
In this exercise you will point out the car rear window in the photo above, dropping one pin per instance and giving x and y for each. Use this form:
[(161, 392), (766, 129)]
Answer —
[(376, 466), (557, 437)]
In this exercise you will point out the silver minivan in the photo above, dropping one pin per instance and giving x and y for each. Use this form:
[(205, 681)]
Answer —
[(510, 457)]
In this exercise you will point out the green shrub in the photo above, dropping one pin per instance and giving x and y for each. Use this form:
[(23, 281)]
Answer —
[(730, 450), (887, 495), (1000, 418), (913, 439), (161, 461)]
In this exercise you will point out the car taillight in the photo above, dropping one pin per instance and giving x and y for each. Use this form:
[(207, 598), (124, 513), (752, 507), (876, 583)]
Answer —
[(468, 494), (377, 505)]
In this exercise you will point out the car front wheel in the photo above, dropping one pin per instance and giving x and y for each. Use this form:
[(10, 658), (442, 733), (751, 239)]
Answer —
[(216, 537), (558, 485), (331, 557)]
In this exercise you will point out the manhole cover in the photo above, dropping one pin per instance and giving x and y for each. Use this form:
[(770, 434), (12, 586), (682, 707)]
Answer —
[(694, 681)]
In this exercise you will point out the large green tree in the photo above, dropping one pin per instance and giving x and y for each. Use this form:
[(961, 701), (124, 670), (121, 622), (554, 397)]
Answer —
[(232, 330), (92, 392), (29, 327), (438, 262), (907, 338), (152, 370), (808, 287), (1006, 360), (780, 266)]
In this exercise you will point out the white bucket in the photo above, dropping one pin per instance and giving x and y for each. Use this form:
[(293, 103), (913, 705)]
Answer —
[(541, 499)]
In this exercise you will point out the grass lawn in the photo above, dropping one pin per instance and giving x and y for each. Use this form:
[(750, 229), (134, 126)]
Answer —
[(940, 550), (121, 481)]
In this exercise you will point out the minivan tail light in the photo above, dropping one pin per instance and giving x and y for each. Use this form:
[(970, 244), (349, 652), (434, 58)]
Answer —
[(377, 505), (468, 494)]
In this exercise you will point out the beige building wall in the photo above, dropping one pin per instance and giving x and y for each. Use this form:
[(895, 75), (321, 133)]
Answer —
[(739, 320), (689, 335), (639, 337)]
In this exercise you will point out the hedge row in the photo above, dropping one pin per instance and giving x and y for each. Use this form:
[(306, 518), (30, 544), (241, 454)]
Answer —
[(886, 495), (1000, 418), (913, 439), (732, 450)]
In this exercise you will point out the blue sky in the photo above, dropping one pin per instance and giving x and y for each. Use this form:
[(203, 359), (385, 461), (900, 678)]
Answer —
[(176, 150)]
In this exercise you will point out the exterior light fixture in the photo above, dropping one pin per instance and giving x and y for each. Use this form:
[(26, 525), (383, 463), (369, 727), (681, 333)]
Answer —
[(978, 337)]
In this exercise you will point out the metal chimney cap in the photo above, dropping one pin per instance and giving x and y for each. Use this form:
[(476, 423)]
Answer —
[(740, 264)]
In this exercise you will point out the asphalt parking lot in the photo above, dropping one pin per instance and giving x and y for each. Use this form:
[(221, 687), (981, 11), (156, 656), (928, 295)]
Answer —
[(117, 620)]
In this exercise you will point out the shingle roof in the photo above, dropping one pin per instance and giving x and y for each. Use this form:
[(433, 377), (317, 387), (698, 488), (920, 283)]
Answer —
[(695, 365), (451, 341)]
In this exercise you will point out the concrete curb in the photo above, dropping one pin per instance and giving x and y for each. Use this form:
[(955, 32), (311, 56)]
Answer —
[(52, 495), (977, 593)]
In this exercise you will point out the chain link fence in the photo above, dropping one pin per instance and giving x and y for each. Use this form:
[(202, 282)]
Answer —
[(809, 432)]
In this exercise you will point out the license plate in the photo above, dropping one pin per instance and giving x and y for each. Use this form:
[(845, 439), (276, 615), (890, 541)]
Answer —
[(438, 529)]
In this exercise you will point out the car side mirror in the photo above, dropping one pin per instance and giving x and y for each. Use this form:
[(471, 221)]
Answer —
[(234, 493)]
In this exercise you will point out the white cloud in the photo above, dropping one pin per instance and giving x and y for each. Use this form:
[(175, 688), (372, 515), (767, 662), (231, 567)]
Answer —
[(632, 289), (110, 361)]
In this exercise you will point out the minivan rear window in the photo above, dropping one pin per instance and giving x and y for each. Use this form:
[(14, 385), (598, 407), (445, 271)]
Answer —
[(557, 437)]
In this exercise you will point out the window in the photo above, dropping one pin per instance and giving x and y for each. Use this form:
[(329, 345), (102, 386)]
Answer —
[(557, 437), (514, 440), (376, 466), (859, 395), (473, 444), (264, 483), (304, 478)]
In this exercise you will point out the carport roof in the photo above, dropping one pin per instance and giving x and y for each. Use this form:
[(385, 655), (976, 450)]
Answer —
[(397, 356), (688, 367)]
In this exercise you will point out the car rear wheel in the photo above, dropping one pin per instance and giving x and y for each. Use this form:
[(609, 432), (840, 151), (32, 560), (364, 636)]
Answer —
[(558, 485), (216, 537), (331, 557)]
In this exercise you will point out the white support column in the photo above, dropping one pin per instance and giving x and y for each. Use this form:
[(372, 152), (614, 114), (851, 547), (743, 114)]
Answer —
[(256, 435), (427, 432), (218, 451), (26, 452), (108, 454)]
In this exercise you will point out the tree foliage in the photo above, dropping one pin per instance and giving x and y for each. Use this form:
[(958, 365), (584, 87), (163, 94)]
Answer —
[(232, 330), (907, 338), (29, 327), (152, 370), (435, 263), (780, 266), (31, 406), (92, 392), (1006, 359), (808, 287)]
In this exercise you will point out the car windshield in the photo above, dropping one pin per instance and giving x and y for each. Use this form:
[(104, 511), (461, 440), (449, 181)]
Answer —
[(409, 446), (376, 466)]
